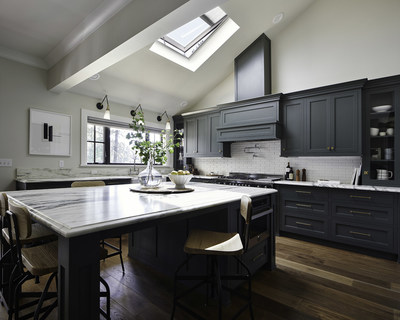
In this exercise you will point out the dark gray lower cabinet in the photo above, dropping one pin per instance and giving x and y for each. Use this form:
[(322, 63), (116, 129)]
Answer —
[(365, 219), (304, 211)]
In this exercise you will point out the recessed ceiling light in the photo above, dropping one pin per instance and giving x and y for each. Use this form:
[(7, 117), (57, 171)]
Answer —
[(278, 18), (95, 77)]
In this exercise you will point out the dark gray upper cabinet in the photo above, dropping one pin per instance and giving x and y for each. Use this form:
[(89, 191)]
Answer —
[(382, 92), (293, 130), (200, 136), (330, 117), (253, 70)]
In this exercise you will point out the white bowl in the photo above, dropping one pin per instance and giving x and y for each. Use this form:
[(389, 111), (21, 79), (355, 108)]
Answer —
[(374, 131), (180, 179), (382, 108)]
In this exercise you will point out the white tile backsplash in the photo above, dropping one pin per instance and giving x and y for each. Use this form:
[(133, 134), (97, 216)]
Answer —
[(267, 160)]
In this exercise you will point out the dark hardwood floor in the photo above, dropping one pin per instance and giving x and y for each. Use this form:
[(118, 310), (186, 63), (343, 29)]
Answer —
[(310, 282)]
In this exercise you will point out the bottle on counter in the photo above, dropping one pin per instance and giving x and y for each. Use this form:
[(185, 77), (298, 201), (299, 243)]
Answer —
[(287, 171), (303, 175), (291, 174), (297, 175)]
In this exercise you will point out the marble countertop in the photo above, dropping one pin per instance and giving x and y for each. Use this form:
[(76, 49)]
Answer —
[(74, 179), (337, 186), (75, 211)]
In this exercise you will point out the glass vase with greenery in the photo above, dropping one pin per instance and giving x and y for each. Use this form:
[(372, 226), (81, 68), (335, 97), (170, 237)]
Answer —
[(150, 151)]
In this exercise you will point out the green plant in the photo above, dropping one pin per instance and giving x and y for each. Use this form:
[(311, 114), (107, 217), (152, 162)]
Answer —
[(144, 148)]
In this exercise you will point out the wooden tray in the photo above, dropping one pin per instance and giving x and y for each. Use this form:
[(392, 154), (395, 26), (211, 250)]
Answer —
[(161, 190)]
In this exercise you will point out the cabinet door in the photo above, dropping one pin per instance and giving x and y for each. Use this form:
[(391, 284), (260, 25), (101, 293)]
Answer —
[(202, 134), (345, 122), (190, 137), (381, 144), (318, 125), (293, 123), (215, 148)]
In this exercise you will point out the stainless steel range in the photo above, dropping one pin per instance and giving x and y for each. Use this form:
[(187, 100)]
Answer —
[(258, 180)]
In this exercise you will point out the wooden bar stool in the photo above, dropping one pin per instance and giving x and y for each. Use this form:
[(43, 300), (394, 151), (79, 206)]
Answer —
[(37, 235), (33, 261), (213, 244), (103, 242)]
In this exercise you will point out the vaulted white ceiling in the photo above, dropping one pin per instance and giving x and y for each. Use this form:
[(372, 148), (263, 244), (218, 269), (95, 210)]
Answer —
[(76, 39)]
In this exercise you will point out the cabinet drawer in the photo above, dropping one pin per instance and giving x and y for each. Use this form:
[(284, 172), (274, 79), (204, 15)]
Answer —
[(366, 214), (305, 226), (256, 256), (363, 197), (371, 238), (304, 193), (305, 207)]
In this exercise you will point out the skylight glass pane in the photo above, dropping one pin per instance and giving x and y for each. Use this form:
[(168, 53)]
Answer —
[(189, 32), (215, 15)]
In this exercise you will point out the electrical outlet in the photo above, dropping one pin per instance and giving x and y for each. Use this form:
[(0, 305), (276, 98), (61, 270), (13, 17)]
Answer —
[(61, 163), (5, 162)]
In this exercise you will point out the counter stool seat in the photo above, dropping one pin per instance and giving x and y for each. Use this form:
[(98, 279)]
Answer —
[(213, 244)]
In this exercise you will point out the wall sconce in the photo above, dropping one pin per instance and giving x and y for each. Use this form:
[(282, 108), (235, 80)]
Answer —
[(168, 123), (99, 106), (133, 112)]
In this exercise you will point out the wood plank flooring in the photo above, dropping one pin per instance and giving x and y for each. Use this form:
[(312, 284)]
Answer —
[(310, 282)]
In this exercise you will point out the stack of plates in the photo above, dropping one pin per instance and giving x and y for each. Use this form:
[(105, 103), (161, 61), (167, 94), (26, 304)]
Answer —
[(382, 108)]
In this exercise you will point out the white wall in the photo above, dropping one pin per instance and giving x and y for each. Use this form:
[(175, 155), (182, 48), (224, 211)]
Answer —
[(337, 41), (23, 87), (331, 42)]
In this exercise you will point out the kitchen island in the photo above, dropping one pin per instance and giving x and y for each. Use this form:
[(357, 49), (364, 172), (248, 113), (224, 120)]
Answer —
[(83, 216)]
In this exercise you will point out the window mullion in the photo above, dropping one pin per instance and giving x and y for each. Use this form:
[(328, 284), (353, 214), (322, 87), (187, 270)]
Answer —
[(107, 149)]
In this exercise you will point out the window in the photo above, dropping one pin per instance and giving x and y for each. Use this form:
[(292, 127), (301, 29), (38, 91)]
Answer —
[(107, 143)]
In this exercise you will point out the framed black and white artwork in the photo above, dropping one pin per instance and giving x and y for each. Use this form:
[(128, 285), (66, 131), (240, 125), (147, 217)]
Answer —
[(49, 133)]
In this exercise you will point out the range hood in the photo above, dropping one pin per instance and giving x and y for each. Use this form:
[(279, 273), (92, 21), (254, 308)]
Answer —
[(255, 113), (250, 120)]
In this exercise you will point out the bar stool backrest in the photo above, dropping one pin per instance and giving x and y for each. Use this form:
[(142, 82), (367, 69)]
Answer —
[(3, 204), (96, 183), (246, 211), (21, 221)]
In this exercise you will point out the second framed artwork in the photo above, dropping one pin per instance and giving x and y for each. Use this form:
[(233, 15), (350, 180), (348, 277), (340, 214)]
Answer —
[(49, 133)]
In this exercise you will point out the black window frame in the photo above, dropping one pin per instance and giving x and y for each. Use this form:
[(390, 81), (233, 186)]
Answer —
[(107, 124)]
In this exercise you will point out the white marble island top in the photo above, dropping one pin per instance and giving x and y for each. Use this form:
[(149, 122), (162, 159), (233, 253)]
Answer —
[(76, 211)]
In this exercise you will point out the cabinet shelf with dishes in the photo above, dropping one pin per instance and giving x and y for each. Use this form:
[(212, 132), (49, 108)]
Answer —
[(381, 164)]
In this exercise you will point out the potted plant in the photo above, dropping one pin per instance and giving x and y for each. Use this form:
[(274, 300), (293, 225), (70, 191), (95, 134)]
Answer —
[(151, 152)]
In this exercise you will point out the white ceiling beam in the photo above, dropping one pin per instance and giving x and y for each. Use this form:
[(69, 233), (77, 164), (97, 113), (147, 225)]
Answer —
[(139, 24)]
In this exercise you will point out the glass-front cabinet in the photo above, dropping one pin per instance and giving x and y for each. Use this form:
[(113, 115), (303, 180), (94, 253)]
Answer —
[(381, 158)]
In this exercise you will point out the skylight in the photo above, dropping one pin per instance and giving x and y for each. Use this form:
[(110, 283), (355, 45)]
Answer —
[(188, 38), (208, 32)]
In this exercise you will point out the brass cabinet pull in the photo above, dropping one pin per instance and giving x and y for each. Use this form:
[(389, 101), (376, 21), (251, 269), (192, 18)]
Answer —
[(304, 205), (306, 192), (328, 148), (360, 212), (260, 255), (361, 234), (304, 224), (360, 197)]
